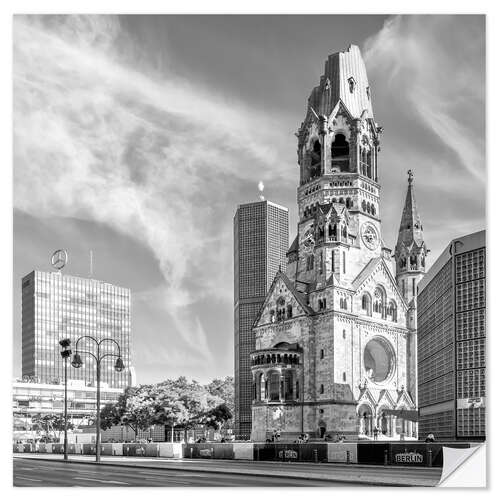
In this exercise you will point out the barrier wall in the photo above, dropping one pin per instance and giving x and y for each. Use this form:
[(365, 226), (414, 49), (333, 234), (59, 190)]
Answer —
[(208, 450), (409, 453), (170, 450), (342, 452), (284, 452), (74, 449), (243, 451)]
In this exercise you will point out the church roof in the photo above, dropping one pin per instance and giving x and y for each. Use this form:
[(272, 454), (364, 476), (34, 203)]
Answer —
[(367, 270), (344, 80), (410, 228), (294, 247)]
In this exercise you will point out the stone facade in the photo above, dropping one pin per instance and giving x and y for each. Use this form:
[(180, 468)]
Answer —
[(335, 343)]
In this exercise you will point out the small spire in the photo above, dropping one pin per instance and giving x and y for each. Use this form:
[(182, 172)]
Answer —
[(410, 176)]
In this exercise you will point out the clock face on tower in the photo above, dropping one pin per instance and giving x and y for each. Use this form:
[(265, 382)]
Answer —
[(369, 235)]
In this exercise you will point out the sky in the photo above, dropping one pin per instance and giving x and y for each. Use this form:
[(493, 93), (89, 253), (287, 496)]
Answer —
[(136, 137)]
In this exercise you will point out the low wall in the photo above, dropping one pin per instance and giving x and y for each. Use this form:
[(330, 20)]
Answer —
[(243, 451), (410, 453), (170, 450), (284, 452), (208, 450), (342, 452)]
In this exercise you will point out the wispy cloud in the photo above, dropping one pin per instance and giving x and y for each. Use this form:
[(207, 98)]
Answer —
[(154, 158), (428, 78), (422, 60)]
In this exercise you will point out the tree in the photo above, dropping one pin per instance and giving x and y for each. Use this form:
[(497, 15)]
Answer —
[(52, 423), (216, 417), (224, 388), (173, 403)]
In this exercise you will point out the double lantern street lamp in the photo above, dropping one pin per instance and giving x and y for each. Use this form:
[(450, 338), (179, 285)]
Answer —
[(78, 363)]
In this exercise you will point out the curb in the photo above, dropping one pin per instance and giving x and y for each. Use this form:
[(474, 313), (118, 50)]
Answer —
[(229, 471)]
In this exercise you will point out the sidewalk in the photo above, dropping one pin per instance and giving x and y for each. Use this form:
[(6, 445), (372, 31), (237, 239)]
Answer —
[(364, 474)]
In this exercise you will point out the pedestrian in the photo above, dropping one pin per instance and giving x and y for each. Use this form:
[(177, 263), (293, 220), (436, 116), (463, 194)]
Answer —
[(430, 438)]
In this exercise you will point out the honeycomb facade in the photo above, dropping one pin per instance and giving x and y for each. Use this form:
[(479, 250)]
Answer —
[(452, 342)]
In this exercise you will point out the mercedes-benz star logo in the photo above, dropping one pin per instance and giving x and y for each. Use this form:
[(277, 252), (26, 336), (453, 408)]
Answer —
[(59, 259)]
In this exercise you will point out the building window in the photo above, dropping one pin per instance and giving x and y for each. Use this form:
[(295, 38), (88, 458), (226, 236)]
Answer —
[(343, 376), (321, 354), (366, 304), (321, 389), (343, 262), (289, 311), (343, 334), (352, 84)]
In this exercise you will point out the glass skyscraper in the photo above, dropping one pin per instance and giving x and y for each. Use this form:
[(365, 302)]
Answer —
[(57, 306), (452, 342), (260, 247)]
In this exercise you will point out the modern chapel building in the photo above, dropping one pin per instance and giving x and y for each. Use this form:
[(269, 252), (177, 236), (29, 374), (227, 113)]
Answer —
[(335, 337)]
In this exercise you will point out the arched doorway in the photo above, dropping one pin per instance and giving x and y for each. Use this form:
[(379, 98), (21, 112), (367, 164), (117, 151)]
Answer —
[(365, 416), (384, 422), (322, 428)]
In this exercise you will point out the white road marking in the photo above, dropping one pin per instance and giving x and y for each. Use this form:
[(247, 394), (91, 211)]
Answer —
[(27, 478), (99, 480)]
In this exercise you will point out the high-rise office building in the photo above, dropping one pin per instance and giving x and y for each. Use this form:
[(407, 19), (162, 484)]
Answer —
[(260, 246), (452, 342), (57, 306)]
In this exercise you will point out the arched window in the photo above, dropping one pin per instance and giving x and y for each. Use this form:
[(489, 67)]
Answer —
[(392, 311), (340, 147), (341, 200), (348, 203), (321, 389), (316, 153), (288, 385), (363, 205), (379, 304), (289, 310), (366, 304), (344, 232), (321, 354), (274, 386)]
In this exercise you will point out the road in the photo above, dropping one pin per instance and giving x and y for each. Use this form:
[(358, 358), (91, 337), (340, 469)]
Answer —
[(44, 473)]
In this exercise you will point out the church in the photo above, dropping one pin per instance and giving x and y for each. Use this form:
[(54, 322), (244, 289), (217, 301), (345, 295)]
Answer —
[(336, 335)]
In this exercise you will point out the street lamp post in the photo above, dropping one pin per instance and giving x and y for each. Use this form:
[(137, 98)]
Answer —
[(119, 366), (65, 353)]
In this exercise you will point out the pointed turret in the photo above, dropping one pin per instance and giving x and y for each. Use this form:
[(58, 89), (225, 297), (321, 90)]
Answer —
[(410, 249)]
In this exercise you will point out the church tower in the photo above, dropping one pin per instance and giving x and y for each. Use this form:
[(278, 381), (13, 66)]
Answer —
[(410, 249), (333, 350)]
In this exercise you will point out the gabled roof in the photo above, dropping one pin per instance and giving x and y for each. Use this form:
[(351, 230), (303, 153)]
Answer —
[(365, 272), (404, 399), (369, 269), (299, 297), (385, 395), (366, 396)]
